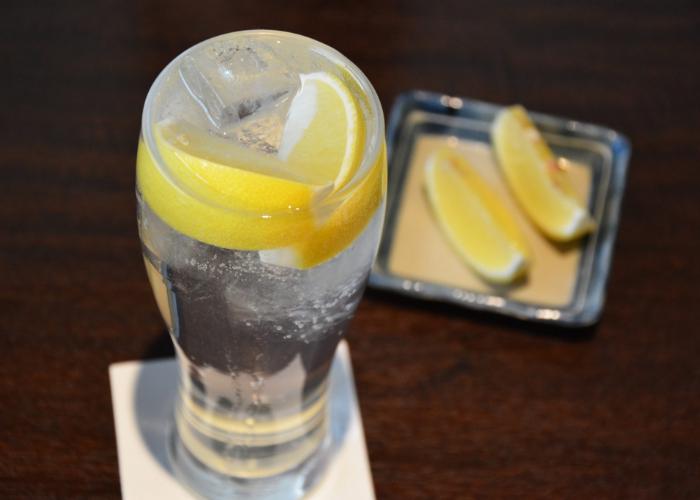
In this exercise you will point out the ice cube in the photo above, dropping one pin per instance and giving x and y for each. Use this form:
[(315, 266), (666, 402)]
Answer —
[(202, 91), (244, 90)]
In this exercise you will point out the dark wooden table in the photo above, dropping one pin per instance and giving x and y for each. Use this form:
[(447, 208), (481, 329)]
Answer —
[(455, 404)]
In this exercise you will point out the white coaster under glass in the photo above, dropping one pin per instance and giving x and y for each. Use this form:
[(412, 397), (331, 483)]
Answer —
[(143, 395)]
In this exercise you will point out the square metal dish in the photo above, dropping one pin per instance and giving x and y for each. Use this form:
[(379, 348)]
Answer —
[(603, 151)]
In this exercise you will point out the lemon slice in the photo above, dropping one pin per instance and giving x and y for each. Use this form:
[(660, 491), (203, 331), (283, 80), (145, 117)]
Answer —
[(473, 218), (540, 186), (324, 132)]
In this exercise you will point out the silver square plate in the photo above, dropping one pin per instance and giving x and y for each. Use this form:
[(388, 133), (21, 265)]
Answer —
[(604, 151)]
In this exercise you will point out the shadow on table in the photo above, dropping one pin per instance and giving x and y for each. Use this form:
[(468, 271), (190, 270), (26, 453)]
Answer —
[(161, 347), (556, 332)]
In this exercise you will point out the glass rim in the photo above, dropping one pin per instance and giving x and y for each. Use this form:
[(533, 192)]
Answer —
[(373, 143)]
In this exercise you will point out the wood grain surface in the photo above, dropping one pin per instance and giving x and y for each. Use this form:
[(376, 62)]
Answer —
[(455, 404)]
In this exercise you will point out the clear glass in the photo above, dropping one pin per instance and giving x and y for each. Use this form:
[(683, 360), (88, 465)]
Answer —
[(254, 336)]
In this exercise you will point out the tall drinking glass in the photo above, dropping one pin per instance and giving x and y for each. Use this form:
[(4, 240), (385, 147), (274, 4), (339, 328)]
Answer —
[(261, 176)]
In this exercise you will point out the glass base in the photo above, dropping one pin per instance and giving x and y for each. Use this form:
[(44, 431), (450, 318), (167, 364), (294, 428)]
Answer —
[(207, 483), (293, 484)]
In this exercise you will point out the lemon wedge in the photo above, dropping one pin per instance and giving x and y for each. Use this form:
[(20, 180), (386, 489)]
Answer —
[(199, 207), (227, 173), (473, 218), (324, 132), (347, 221), (219, 192), (540, 186)]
